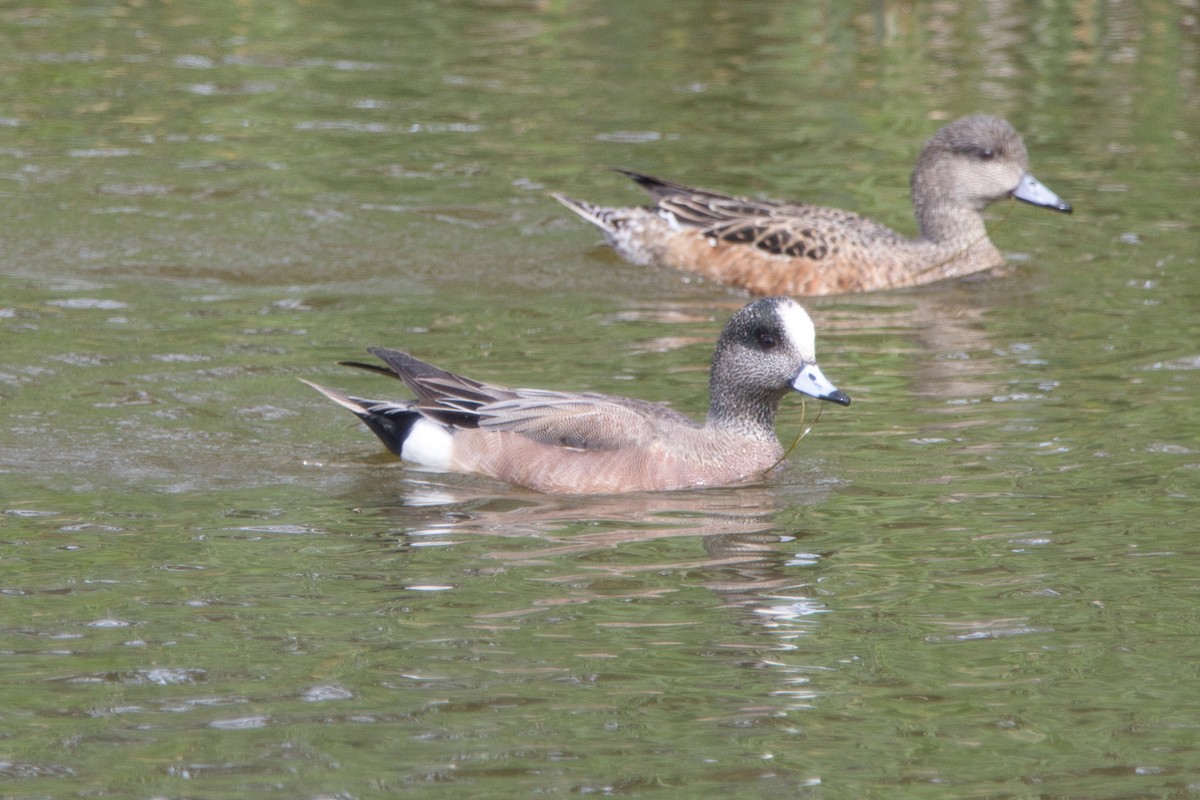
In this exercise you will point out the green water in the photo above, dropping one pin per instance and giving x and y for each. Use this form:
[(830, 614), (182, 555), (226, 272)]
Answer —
[(978, 581)]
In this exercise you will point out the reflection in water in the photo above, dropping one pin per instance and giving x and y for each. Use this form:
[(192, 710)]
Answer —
[(945, 325), (203, 198), (748, 562), (935, 345)]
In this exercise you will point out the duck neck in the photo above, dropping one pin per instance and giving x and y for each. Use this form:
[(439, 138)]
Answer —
[(750, 415), (953, 237), (947, 223)]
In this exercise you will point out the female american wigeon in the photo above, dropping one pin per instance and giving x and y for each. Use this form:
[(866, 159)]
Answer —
[(597, 443), (773, 247)]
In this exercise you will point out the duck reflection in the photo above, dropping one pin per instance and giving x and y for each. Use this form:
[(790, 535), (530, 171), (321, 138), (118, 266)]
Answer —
[(940, 333), (749, 555)]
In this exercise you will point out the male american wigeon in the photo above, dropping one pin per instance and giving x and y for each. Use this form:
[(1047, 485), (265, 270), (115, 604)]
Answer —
[(774, 247), (596, 443)]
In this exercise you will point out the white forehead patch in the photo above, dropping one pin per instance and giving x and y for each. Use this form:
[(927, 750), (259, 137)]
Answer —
[(799, 329)]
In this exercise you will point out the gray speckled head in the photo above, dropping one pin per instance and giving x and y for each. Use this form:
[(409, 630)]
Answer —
[(767, 349)]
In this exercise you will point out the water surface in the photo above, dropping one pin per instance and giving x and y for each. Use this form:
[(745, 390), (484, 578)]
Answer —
[(978, 581)]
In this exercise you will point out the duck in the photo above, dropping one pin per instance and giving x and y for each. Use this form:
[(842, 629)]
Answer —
[(772, 247), (591, 443)]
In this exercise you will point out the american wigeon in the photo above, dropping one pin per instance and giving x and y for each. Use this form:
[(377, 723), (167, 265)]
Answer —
[(774, 247), (590, 443)]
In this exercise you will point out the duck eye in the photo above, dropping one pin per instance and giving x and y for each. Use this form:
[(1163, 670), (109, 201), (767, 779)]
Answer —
[(987, 154), (766, 341)]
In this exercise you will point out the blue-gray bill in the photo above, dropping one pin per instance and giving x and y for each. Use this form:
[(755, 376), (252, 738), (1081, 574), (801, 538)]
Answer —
[(812, 382), (1032, 191)]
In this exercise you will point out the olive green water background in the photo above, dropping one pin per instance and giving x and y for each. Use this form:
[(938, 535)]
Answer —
[(981, 580)]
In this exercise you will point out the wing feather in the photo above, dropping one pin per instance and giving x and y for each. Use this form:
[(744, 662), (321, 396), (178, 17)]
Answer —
[(587, 421), (795, 230), (583, 421)]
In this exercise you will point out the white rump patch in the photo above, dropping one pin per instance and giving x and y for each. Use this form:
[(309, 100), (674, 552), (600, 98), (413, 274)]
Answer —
[(428, 444)]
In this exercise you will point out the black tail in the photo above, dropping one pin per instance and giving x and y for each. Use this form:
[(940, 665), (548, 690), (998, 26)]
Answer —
[(391, 422), (391, 425), (657, 187)]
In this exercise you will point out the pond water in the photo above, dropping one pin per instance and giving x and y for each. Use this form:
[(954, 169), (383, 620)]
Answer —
[(981, 580)]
